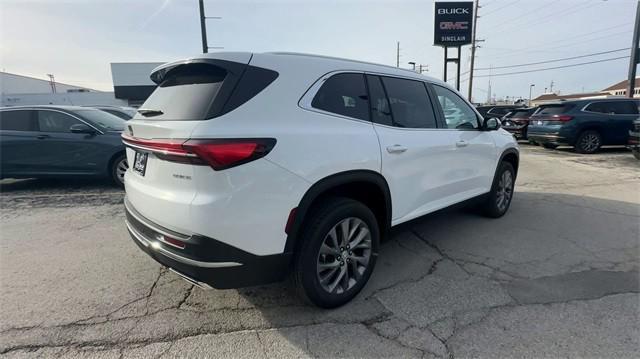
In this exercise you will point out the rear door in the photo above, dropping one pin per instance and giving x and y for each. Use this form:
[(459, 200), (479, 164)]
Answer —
[(415, 155), (619, 119), (18, 143)]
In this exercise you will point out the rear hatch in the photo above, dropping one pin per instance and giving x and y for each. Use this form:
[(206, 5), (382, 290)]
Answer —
[(550, 117), (164, 161)]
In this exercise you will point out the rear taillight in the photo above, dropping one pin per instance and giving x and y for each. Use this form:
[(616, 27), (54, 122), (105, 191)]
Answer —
[(220, 154), (562, 118), (225, 153)]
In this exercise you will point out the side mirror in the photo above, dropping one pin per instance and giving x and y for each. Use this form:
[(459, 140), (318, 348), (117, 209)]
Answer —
[(491, 124), (82, 128)]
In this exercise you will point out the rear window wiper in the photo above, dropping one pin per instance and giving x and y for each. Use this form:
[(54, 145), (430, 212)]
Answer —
[(149, 112)]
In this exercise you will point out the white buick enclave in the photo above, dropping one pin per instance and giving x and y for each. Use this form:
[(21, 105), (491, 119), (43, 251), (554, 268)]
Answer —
[(246, 167)]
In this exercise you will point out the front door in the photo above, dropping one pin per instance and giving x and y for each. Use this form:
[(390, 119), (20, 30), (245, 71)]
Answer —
[(62, 151), (414, 152)]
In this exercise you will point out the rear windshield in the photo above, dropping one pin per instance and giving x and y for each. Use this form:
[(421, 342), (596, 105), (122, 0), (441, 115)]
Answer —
[(201, 91), (554, 109), (186, 93), (104, 120), (519, 113)]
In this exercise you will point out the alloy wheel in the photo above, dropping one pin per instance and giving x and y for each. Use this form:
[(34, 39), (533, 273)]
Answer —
[(590, 142), (121, 169), (344, 255), (505, 191)]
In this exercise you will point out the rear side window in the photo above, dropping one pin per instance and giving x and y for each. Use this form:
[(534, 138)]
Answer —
[(518, 113), (17, 120), (410, 104), (53, 121), (554, 109), (380, 111), (343, 94), (500, 111), (613, 107)]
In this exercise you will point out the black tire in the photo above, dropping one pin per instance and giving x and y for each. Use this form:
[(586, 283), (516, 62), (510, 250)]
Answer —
[(322, 219), (636, 153), (549, 146), (588, 142), (115, 171), (493, 207)]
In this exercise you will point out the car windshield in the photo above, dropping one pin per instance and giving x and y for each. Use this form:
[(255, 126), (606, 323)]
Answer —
[(102, 119), (518, 113)]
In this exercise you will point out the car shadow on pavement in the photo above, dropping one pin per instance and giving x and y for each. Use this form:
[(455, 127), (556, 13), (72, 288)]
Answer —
[(47, 185), (436, 274)]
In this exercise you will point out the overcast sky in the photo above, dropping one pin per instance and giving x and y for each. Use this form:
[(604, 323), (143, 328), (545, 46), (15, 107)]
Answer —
[(77, 39)]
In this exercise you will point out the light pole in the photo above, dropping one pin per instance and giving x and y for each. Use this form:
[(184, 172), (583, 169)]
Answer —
[(530, 88), (413, 64)]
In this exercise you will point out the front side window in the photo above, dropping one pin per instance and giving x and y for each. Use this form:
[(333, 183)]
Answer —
[(52, 121), (457, 114), (17, 120), (410, 104), (343, 94)]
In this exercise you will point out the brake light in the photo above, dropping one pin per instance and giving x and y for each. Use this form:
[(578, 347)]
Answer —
[(220, 154), (562, 118)]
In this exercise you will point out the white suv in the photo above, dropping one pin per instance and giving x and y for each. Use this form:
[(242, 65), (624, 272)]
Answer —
[(246, 167)]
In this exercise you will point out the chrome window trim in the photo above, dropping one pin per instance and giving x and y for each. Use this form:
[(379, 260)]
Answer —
[(583, 109)]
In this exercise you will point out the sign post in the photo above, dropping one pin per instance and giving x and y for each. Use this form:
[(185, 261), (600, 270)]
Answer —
[(453, 28)]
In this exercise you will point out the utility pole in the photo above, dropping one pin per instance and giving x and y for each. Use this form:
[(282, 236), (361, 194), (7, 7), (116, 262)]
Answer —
[(398, 54), (52, 83), (530, 88), (473, 48), (203, 28), (635, 54), (551, 86)]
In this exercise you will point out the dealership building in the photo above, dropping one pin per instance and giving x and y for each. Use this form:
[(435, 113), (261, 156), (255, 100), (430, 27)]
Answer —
[(131, 87)]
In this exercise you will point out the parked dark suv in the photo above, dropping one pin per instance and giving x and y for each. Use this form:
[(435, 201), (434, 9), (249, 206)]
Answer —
[(496, 110), (517, 122), (584, 124), (59, 141)]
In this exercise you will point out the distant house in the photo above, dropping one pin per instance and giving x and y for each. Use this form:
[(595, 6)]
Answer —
[(619, 89)]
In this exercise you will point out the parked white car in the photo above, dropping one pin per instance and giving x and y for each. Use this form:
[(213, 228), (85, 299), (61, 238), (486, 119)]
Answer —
[(247, 167)]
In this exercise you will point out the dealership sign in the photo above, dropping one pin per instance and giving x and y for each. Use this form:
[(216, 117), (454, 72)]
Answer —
[(453, 23)]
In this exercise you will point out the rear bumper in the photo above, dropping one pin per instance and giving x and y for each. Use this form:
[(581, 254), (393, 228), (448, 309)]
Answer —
[(204, 261), (551, 138)]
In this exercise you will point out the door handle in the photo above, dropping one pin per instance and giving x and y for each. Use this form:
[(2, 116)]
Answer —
[(461, 144), (396, 149), (42, 137)]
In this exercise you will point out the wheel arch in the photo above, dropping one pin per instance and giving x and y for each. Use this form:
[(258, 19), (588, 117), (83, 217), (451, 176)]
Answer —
[(366, 186), (113, 157), (512, 156)]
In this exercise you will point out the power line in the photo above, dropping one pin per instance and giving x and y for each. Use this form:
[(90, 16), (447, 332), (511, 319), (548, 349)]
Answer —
[(554, 68), (502, 7), (556, 60)]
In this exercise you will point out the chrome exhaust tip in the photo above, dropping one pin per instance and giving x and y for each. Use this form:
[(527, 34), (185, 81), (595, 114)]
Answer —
[(198, 284)]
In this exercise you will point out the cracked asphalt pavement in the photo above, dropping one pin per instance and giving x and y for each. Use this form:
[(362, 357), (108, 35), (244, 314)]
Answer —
[(556, 277)]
